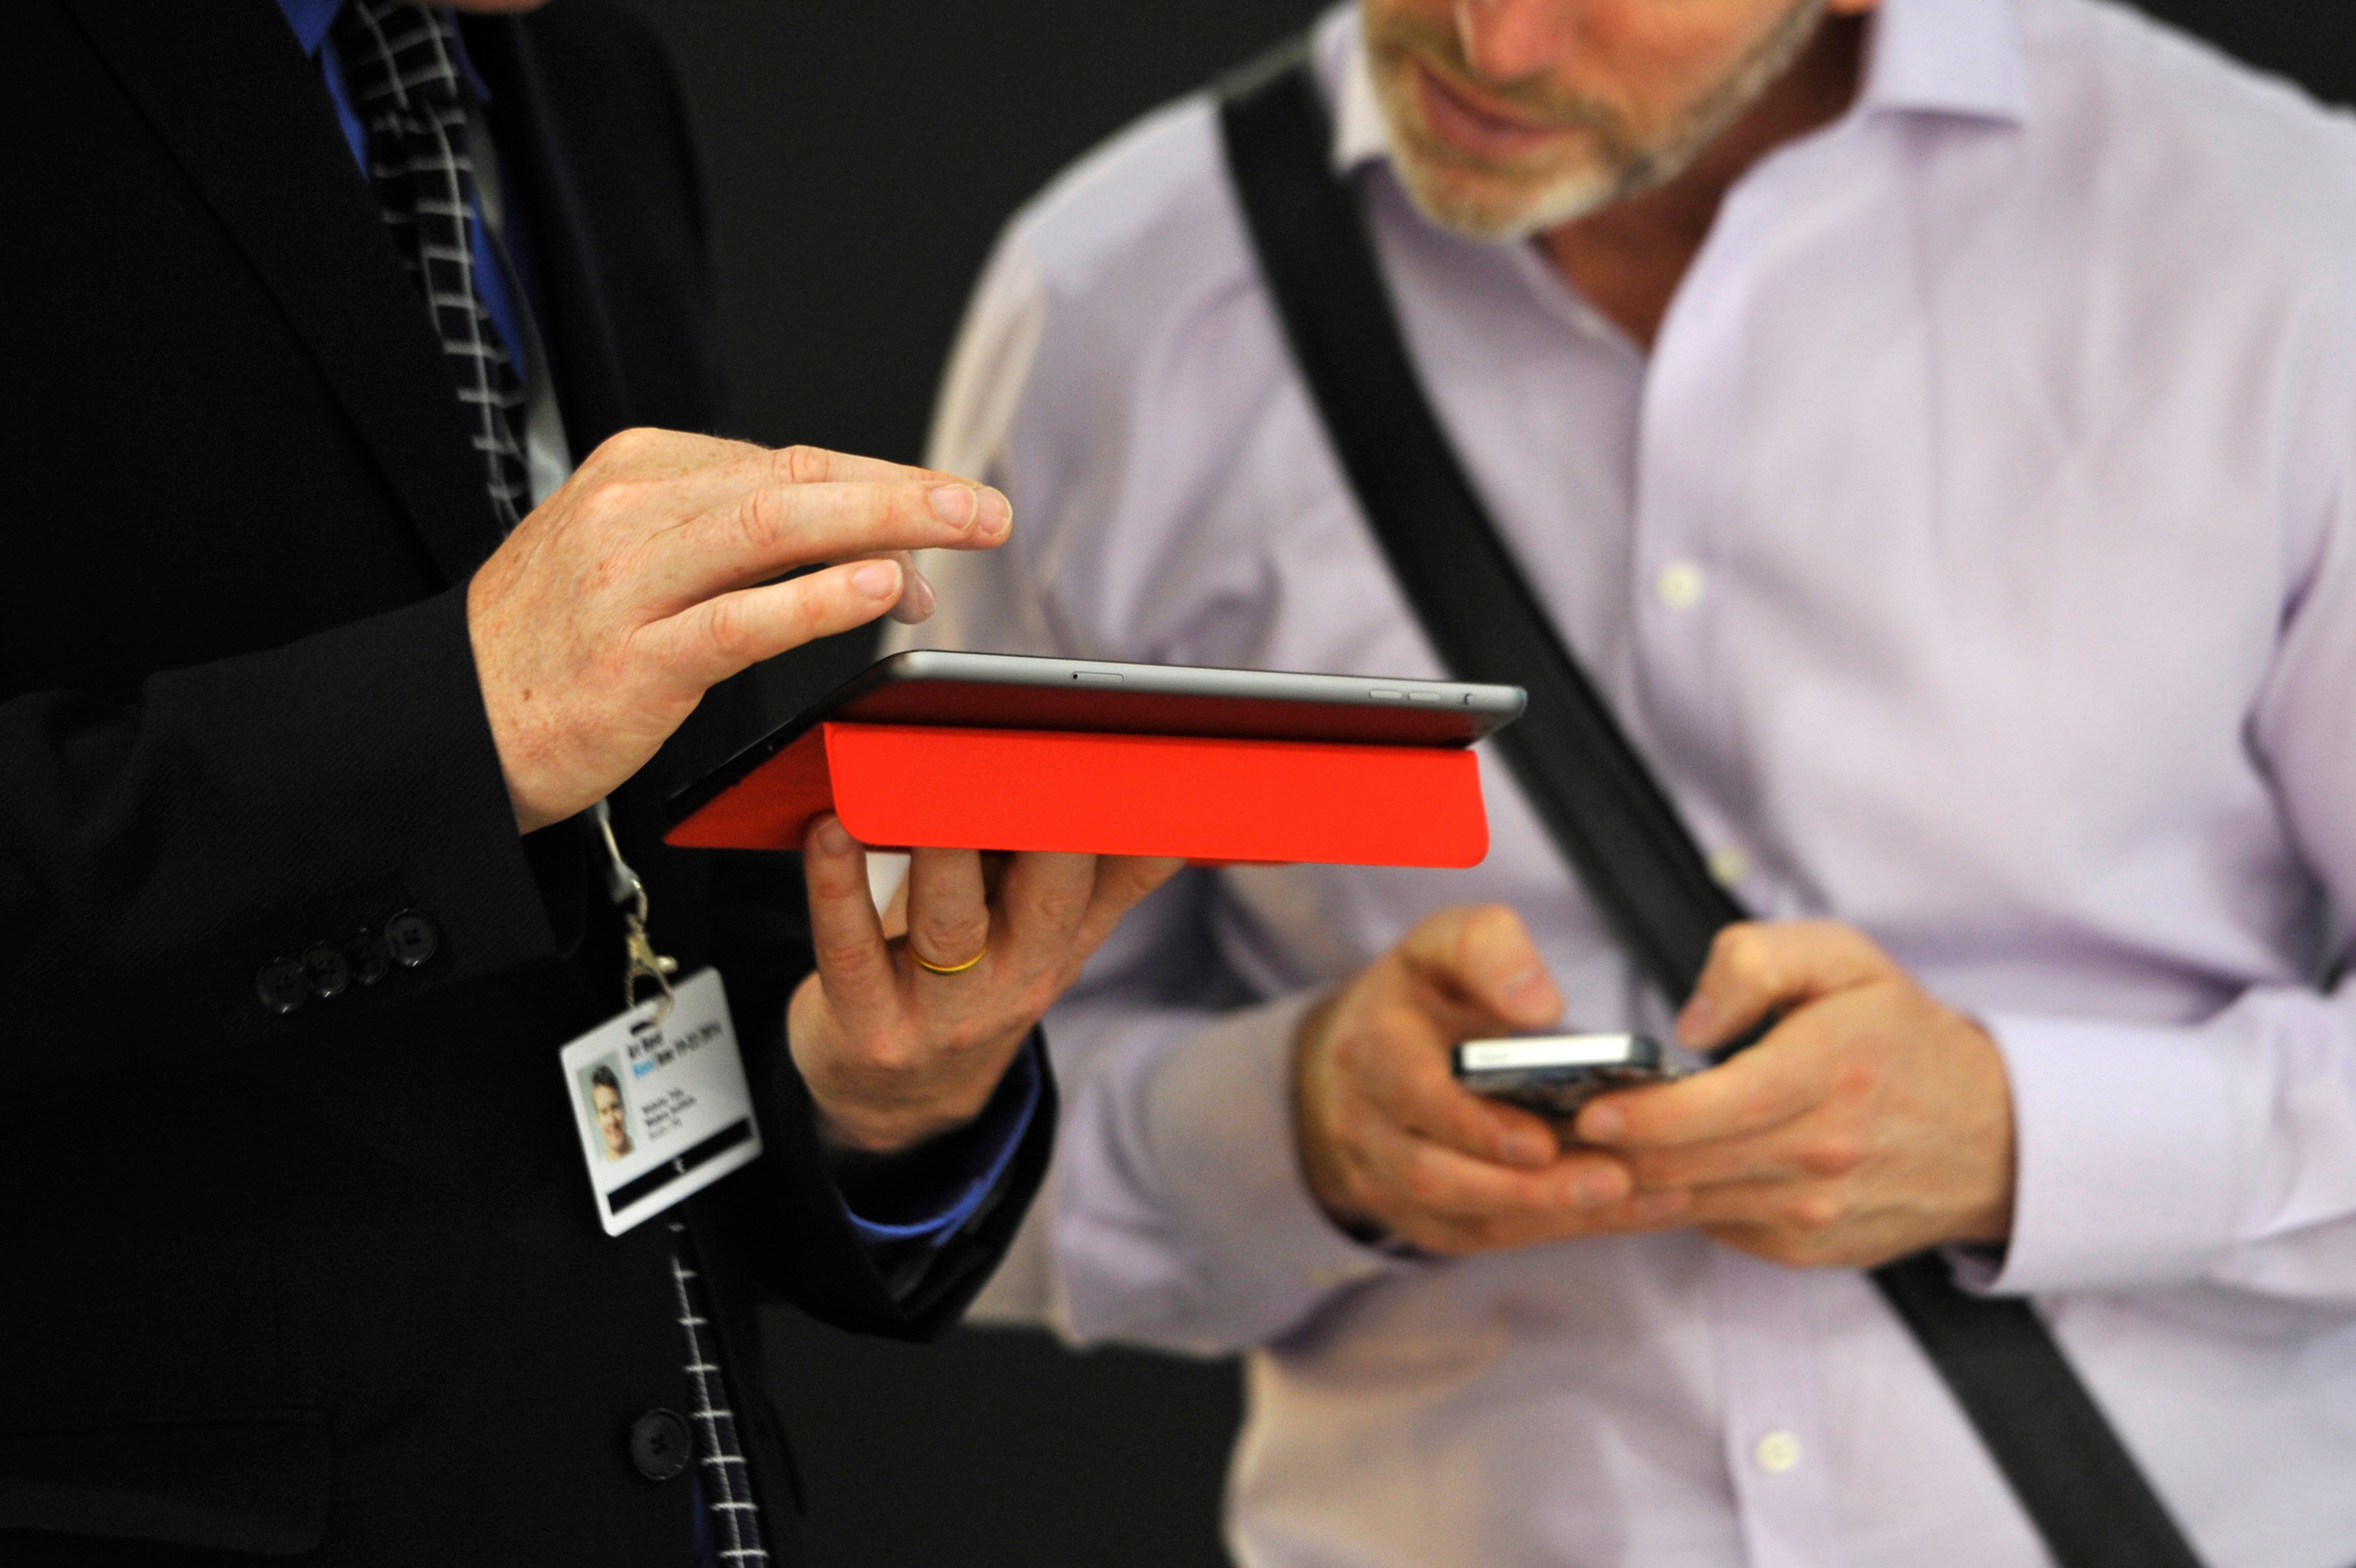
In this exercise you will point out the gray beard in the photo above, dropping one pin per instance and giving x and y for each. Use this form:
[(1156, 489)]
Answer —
[(1586, 191)]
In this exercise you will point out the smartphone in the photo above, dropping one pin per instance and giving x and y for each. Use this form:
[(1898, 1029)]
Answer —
[(1554, 1075), (1004, 690)]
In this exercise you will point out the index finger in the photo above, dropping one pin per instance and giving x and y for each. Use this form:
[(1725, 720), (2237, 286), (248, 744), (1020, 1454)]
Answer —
[(700, 472), (1764, 1088), (1425, 1098), (818, 466), (1397, 1057), (768, 529), (854, 964)]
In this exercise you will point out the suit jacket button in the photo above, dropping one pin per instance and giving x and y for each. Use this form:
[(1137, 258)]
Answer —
[(329, 970), (282, 985), (659, 1445), (370, 957), (412, 938)]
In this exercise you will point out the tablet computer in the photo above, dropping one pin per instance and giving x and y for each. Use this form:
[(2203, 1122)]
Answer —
[(1010, 691)]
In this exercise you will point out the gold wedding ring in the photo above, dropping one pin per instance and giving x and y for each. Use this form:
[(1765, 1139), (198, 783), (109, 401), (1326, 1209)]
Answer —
[(930, 967)]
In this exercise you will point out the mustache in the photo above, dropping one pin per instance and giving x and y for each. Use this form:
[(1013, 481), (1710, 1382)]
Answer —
[(1440, 49)]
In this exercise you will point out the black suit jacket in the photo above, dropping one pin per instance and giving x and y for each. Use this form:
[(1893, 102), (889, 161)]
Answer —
[(329, 1284)]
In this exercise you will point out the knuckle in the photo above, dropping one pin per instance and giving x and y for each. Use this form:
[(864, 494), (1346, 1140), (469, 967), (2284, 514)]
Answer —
[(1857, 1078), (1359, 1047), (1483, 926), (800, 464), (953, 938), (727, 628), (1062, 903), (1816, 1212), (624, 448), (1348, 1053), (1033, 999), (1390, 1021), (763, 519), (1834, 1155), (1745, 953), (884, 1052), (1759, 1105), (1421, 1185)]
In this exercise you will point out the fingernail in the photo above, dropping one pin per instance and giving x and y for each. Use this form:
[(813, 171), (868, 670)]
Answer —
[(919, 602), (997, 513), (955, 504), (1602, 1123), (1525, 988), (831, 838), (877, 579)]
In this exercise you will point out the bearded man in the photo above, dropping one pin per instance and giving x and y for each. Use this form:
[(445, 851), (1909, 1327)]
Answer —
[(1931, 423)]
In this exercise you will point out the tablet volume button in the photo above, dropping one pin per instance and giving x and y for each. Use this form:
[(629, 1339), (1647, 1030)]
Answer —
[(1097, 677)]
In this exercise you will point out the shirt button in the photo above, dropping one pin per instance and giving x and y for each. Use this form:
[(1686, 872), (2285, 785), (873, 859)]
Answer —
[(1776, 1453), (282, 985), (1729, 865), (659, 1445), (329, 970), (1678, 584), (412, 938)]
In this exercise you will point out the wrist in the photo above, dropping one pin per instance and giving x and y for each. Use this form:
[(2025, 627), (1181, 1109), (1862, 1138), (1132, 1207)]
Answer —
[(1321, 1168), (870, 1111), (1988, 1222)]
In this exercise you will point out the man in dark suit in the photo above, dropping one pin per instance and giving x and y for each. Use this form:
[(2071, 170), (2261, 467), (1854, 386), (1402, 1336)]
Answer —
[(315, 663)]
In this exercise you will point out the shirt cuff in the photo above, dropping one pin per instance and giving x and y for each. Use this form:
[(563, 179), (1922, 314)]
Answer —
[(1219, 1123), (2124, 1156), (943, 1200)]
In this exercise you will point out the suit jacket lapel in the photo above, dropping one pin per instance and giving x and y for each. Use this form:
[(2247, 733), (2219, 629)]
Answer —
[(245, 115)]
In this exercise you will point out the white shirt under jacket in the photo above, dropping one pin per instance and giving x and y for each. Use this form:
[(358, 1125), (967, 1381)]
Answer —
[(1975, 555)]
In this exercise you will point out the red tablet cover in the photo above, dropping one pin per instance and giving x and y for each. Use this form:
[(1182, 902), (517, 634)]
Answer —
[(1212, 800)]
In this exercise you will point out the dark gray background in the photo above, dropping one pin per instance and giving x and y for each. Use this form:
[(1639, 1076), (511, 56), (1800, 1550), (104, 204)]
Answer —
[(861, 156)]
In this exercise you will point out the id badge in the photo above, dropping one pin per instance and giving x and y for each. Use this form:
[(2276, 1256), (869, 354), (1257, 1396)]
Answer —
[(661, 1098)]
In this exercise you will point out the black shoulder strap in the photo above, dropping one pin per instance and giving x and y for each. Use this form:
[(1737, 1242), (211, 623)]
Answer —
[(1600, 802)]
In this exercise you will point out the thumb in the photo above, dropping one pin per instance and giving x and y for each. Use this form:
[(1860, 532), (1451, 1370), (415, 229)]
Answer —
[(1759, 967), (1484, 954)]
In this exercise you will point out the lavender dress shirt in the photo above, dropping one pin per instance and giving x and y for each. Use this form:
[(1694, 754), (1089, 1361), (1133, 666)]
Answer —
[(1975, 555)]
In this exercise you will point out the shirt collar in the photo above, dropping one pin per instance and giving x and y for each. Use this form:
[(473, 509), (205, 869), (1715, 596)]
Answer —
[(1933, 57), (1962, 58), (311, 19)]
